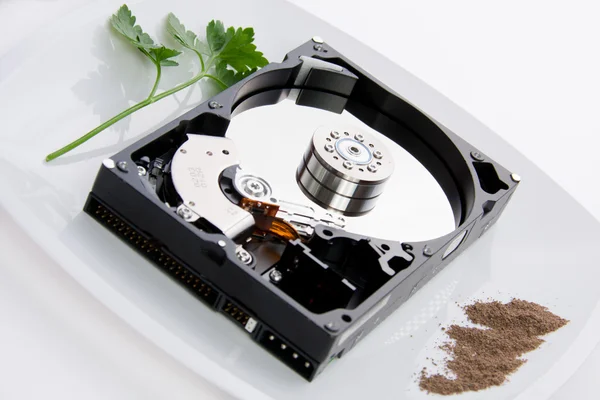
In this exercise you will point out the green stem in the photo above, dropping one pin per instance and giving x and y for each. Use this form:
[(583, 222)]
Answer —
[(220, 82), (177, 88), (152, 98), (97, 130), (201, 60), (201, 74), (158, 74)]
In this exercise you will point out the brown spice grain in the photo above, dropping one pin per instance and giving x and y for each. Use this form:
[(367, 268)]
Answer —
[(481, 358)]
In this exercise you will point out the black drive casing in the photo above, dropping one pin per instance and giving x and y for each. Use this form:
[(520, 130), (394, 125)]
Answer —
[(477, 188)]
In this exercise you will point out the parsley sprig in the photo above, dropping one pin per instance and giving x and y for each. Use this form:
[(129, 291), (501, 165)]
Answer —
[(226, 57)]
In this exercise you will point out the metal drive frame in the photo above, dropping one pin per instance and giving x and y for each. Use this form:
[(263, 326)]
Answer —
[(313, 75)]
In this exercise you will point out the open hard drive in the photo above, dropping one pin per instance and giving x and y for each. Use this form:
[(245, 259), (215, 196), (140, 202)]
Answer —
[(279, 225)]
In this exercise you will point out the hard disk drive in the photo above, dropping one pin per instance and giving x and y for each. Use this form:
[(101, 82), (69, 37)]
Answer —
[(295, 203)]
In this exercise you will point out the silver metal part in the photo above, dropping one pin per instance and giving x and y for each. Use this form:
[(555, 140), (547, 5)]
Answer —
[(349, 179), (477, 156), (252, 186), (515, 177), (195, 169), (275, 276), (353, 151), (243, 255), (332, 326), (122, 166), (188, 215), (305, 218), (141, 170), (348, 164)]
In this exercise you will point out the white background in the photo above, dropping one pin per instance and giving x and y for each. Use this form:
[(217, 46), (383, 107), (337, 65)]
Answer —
[(528, 69)]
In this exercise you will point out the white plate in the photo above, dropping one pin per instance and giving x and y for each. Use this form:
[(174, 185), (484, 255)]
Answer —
[(541, 250)]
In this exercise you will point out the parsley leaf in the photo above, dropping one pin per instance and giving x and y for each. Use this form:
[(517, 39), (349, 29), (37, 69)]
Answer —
[(124, 23), (230, 51), (216, 35), (230, 77), (186, 38), (162, 54), (234, 47)]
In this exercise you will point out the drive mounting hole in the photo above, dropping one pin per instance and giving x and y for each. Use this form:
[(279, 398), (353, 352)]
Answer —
[(226, 152), (385, 247), (327, 232), (347, 318)]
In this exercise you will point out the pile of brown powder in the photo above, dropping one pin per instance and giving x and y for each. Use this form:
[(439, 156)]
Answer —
[(481, 358)]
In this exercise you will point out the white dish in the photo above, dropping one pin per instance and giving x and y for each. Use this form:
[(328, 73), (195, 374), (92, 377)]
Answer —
[(541, 250)]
